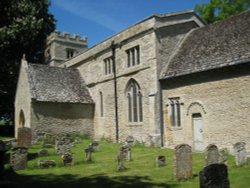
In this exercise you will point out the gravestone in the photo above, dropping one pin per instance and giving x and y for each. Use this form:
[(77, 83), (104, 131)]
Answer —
[(214, 176), (88, 153), (67, 159), (183, 162), (160, 160), (24, 137), (212, 155), (63, 144), (2, 154), (121, 157), (18, 158), (240, 153), (43, 152), (46, 163)]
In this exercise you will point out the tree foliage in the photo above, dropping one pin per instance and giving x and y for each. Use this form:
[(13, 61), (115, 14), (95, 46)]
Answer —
[(24, 26), (221, 9)]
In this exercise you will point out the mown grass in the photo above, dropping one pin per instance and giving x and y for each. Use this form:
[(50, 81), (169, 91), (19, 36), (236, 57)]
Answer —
[(102, 172)]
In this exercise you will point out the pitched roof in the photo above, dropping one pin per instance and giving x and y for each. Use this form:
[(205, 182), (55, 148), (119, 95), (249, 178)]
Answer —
[(213, 46), (54, 84)]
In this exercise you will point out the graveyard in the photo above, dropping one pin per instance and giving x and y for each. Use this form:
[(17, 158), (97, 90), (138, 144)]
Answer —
[(85, 163)]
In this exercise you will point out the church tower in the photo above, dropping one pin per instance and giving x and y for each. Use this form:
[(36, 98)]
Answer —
[(62, 46)]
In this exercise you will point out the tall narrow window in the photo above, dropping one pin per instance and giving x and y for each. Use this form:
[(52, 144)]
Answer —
[(135, 109), (108, 65), (175, 111), (133, 56), (101, 104)]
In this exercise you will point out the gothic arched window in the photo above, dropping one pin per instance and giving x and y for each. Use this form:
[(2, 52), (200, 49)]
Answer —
[(134, 100)]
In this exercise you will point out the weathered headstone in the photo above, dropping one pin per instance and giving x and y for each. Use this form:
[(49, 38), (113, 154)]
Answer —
[(160, 160), (43, 152), (2, 153), (46, 163), (212, 155), (88, 153), (24, 137), (18, 158), (183, 162), (67, 159), (213, 176), (240, 153), (121, 157)]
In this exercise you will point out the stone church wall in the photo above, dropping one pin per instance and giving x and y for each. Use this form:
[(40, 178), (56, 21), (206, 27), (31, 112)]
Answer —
[(145, 76), (222, 97), (62, 118)]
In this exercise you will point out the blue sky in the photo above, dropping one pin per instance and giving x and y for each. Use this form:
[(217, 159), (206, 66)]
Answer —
[(100, 19)]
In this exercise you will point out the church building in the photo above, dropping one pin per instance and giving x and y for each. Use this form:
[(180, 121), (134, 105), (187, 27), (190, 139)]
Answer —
[(166, 80)]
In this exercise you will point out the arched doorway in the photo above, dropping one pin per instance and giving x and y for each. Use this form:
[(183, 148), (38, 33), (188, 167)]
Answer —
[(21, 119)]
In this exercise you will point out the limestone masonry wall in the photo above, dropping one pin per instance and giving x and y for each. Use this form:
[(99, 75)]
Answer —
[(62, 117), (222, 97)]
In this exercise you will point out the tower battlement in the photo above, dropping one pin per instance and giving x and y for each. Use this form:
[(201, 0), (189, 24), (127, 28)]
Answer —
[(67, 37), (62, 46)]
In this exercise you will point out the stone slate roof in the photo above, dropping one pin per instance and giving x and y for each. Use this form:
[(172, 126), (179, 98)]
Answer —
[(54, 84), (213, 46)]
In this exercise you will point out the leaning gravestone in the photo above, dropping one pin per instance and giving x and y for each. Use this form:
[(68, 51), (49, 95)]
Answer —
[(212, 155), (214, 176), (240, 153), (18, 158), (24, 137), (183, 162)]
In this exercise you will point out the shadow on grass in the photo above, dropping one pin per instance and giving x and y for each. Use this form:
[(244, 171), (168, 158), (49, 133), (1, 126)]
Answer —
[(12, 179)]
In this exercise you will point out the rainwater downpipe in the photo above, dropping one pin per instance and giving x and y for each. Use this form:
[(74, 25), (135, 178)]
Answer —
[(113, 47), (161, 114)]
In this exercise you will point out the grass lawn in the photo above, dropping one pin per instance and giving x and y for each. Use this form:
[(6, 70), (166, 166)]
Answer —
[(141, 172)]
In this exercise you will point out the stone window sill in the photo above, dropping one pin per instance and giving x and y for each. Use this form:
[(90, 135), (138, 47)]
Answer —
[(135, 124)]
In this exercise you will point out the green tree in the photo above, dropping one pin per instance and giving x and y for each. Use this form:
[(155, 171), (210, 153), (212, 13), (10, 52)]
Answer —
[(221, 9), (24, 26)]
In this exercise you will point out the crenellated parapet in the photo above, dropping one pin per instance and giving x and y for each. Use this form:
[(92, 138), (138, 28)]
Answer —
[(67, 37)]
